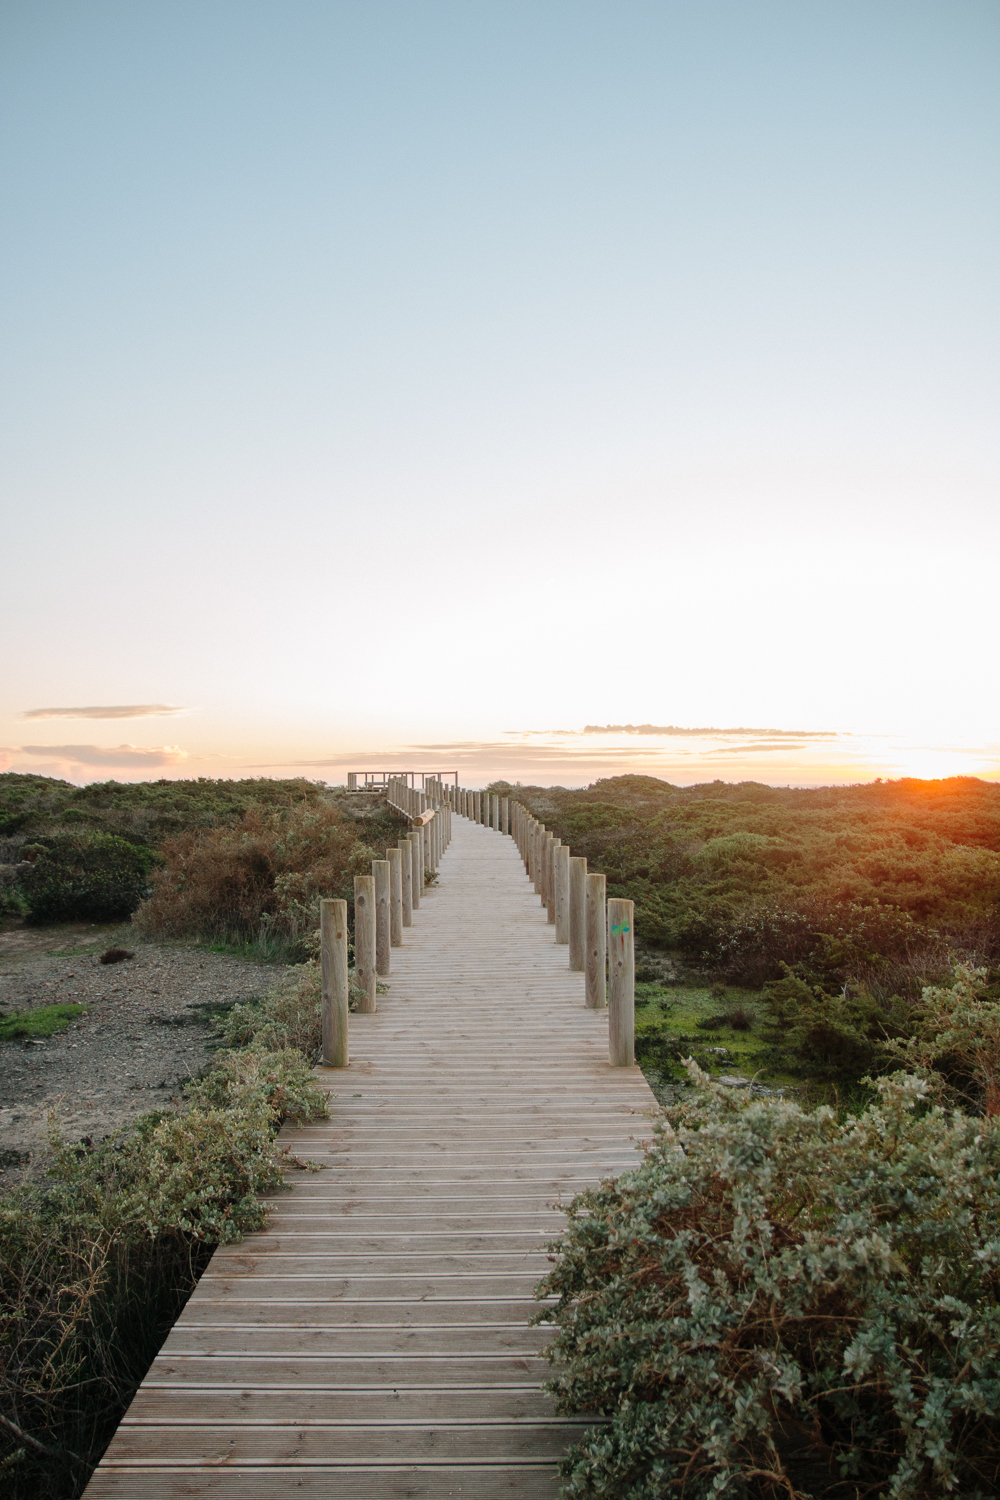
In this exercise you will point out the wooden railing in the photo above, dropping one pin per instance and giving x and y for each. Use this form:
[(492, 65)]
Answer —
[(599, 933)]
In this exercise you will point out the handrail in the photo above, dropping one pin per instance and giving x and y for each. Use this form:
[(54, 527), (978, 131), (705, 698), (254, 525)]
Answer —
[(600, 933)]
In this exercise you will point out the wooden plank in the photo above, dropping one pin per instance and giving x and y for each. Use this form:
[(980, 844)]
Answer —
[(375, 1340), (192, 1406), (342, 1443), (409, 1482)]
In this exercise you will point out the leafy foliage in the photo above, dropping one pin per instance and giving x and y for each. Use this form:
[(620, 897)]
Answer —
[(85, 853), (953, 1039), (775, 1304), (95, 877), (869, 885), (289, 1015), (143, 812), (265, 873), (96, 1263)]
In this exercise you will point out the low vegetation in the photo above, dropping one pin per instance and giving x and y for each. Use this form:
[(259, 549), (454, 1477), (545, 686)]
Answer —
[(97, 1260), (818, 917), (794, 1295), (778, 1304), (240, 864), (868, 885), (263, 877), (43, 1021)]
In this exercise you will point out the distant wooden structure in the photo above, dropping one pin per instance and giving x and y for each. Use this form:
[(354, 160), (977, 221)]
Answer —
[(378, 781)]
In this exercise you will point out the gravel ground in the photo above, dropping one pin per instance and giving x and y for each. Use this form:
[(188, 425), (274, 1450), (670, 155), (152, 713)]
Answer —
[(147, 1029)]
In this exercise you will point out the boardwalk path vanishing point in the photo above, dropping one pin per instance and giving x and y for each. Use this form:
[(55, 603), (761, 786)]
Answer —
[(374, 1340)]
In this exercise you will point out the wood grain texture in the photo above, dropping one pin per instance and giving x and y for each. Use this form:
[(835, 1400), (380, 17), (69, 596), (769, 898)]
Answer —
[(333, 957), (375, 1339)]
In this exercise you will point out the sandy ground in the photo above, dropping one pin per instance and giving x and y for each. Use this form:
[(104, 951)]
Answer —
[(147, 1029)]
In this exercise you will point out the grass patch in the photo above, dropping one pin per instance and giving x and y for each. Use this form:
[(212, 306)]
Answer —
[(724, 1034), (265, 948), (45, 1021)]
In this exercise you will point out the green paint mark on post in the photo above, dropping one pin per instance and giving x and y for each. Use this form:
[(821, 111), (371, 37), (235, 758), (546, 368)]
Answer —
[(620, 927)]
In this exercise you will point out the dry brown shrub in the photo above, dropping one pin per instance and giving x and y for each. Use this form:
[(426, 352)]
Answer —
[(267, 872)]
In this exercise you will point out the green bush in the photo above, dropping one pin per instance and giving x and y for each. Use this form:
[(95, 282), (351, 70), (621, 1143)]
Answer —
[(92, 877), (870, 885), (263, 877), (834, 1037), (97, 1262), (289, 1015), (775, 1304)]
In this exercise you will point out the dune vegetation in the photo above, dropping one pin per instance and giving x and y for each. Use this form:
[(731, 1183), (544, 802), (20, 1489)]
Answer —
[(237, 863), (795, 1294)]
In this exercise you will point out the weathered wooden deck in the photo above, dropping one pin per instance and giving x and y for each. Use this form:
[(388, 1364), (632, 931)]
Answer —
[(374, 1340)]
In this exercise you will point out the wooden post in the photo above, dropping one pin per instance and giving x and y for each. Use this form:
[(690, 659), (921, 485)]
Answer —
[(406, 880), (333, 967), (495, 813), (551, 845), (597, 937), (562, 893), (537, 845), (395, 897), (415, 840), (621, 975), (505, 815), (380, 870), (364, 939), (577, 914)]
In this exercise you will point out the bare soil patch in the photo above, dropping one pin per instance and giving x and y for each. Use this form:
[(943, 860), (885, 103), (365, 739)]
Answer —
[(148, 1028)]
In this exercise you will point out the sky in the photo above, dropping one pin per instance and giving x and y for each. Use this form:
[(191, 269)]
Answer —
[(545, 390)]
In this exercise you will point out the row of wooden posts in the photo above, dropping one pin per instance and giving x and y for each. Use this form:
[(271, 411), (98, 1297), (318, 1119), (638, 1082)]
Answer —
[(384, 903), (599, 933)]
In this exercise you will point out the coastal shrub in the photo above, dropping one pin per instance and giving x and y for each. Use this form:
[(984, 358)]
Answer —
[(143, 812), (91, 877), (830, 1036), (953, 1039), (289, 1015), (774, 1304), (869, 885), (97, 1261), (265, 873)]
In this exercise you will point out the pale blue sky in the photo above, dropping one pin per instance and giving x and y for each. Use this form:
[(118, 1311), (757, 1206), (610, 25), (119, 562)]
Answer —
[(385, 374)]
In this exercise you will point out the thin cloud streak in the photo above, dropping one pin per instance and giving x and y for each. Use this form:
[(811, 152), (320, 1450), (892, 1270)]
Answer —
[(99, 755), (106, 711), (675, 731)]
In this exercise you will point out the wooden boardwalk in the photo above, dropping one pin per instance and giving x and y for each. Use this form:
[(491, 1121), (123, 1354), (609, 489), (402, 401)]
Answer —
[(374, 1340)]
